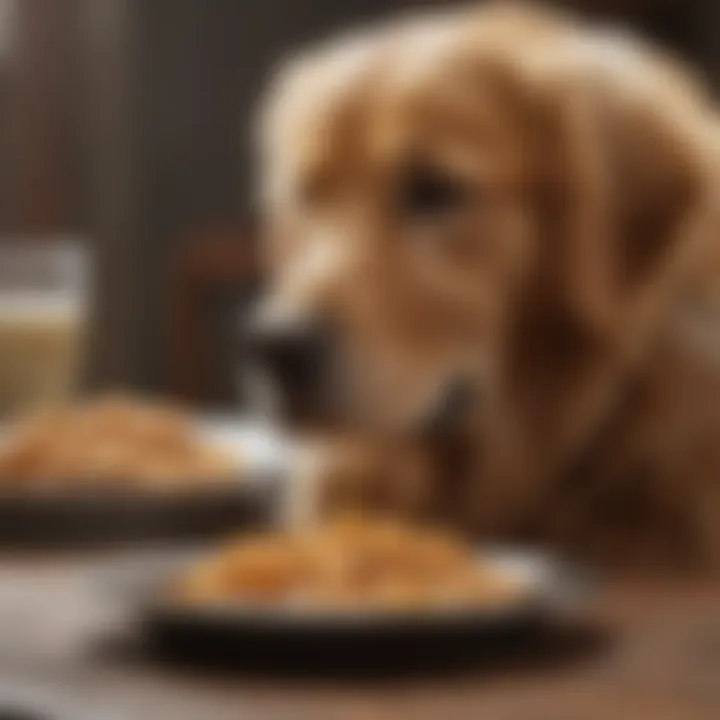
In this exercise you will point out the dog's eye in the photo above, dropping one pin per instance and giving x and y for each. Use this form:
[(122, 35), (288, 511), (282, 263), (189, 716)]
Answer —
[(427, 193)]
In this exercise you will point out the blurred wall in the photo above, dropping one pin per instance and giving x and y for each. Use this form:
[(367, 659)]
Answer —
[(201, 68)]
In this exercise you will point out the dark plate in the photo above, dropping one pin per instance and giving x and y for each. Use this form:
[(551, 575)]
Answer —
[(312, 640), (59, 519)]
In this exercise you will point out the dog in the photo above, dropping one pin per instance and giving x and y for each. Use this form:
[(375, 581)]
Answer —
[(492, 275)]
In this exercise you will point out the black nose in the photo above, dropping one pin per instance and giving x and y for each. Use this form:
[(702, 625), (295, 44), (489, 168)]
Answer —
[(294, 356)]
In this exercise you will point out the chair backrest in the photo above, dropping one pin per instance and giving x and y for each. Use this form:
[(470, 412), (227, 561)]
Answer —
[(214, 280)]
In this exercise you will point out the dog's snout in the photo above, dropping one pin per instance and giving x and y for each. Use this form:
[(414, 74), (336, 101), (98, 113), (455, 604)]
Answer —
[(294, 355)]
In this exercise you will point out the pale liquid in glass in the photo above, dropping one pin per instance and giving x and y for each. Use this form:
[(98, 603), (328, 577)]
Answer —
[(41, 338)]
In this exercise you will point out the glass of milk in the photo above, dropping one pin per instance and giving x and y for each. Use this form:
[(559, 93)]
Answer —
[(44, 288)]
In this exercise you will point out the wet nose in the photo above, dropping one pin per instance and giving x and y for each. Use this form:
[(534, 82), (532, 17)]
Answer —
[(294, 356)]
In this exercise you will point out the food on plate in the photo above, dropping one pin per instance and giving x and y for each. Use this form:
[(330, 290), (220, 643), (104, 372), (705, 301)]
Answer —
[(350, 562), (110, 441)]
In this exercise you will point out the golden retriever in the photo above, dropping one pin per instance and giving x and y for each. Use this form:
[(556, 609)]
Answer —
[(493, 263)]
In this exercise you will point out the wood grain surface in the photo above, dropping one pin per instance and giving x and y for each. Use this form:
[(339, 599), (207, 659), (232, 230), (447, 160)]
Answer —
[(645, 652)]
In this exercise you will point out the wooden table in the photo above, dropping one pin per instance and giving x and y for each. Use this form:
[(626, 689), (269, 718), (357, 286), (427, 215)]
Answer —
[(651, 652)]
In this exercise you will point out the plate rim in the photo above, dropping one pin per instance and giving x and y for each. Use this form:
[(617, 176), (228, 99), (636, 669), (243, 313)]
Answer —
[(558, 586)]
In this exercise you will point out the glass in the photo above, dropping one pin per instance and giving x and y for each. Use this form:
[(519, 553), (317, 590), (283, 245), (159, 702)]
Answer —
[(44, 292)]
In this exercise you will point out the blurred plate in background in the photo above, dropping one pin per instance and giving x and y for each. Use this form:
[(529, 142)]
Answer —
[(60, 517)]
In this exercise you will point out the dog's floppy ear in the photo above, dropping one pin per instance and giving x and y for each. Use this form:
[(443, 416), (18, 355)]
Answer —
[(623, 173), (659, 155), (619, 173)]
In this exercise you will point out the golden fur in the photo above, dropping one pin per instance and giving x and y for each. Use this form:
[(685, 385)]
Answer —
[(575, 288)]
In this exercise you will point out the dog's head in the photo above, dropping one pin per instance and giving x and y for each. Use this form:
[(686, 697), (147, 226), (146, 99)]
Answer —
[(477, 205)]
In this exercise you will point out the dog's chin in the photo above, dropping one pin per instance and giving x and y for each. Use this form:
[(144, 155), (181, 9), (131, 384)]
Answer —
[(449, 411), (322, 413), (443, 416), (444, 413)]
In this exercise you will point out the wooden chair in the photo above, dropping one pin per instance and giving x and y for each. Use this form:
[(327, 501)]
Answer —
[(214, 278)]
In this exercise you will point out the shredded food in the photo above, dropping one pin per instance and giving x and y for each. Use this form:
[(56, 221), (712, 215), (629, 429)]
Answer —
[(110, 441), (351, 562)]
